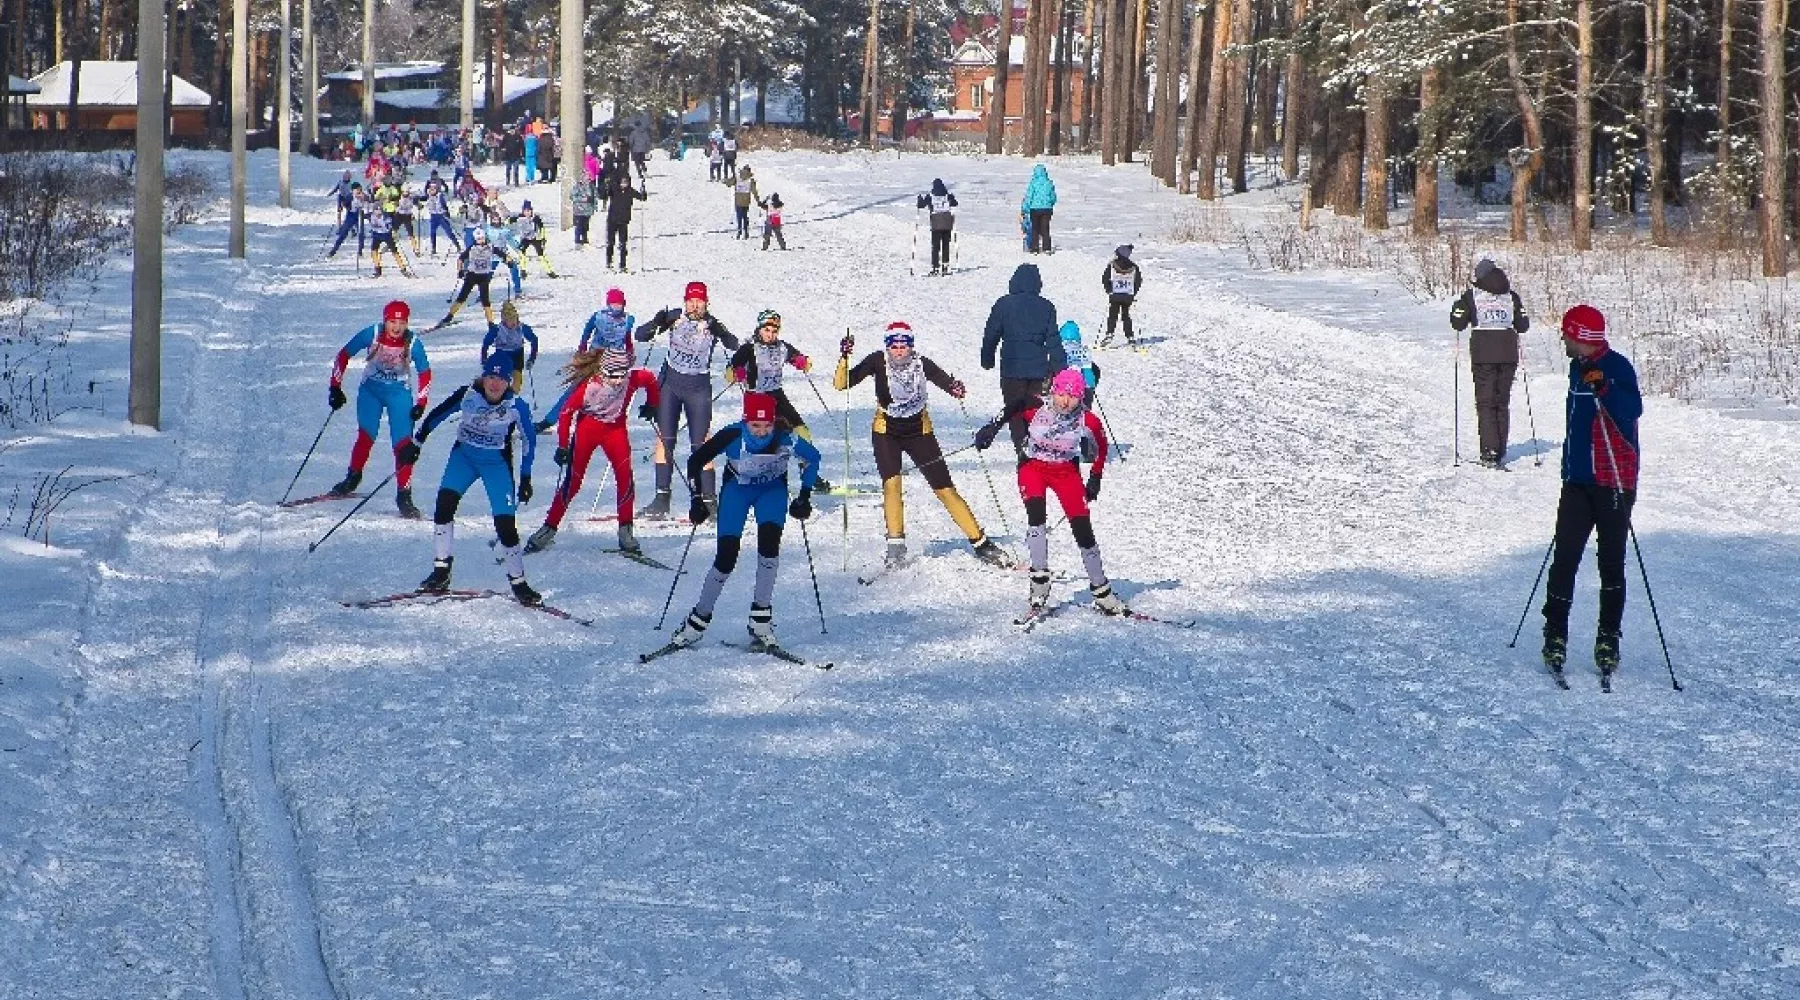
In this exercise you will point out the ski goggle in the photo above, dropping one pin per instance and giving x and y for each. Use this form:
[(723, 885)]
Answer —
[(894, 340)]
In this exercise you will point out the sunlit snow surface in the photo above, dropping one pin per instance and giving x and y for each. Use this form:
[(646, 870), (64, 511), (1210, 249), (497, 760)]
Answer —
[(218, 782)]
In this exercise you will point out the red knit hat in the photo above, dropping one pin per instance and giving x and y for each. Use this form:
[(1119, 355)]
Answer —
[(1584, 324), (695, 290), (615, 296), (759, 406), (397, 310)]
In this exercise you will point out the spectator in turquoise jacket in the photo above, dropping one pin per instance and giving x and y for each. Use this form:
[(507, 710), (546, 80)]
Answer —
[(1040, 204)]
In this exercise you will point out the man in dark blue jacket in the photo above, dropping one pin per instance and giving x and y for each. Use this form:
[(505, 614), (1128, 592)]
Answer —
[(1022, 325)]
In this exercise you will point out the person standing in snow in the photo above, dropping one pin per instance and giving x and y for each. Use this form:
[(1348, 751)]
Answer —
[(1058, 430), (620, 195), (640, 147), (1040, 204), (729, 145), (511, 337), (686, 386), (1022, 328), (743, 194), (758, 451), (1599, 485), (394, 359), (490, 414), (584, 199), (772, 220), (902, 428), (943, 222), (1121, 279), (1492, 307), (592, 416), (530, 154)]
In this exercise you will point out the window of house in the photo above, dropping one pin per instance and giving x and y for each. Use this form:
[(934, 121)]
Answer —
[(977, 96)]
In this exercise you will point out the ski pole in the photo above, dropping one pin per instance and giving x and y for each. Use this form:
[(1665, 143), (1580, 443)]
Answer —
[(818, 601), (992, 489), (309, 454), (846, 484), (1537, 457), (1456, 402), (912, 263), (359, 506), (819, 395), (1654, 617), (679, 567), (1108, 425), (1533, 596)]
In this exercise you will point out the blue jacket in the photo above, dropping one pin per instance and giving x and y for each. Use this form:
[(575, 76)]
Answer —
[(527, 337), (737, 446), (608, 329), (1041, 192), (1022, 325), (1601, 445)]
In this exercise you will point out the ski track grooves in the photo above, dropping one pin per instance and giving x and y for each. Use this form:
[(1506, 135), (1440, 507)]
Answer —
[(265, 934)]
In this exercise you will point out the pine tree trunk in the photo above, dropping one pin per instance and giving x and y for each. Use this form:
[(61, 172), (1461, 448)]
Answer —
[(1207, 185), (996, 109), (1118, 44), (1063, 101), (1237, 95), (1771, 35), (1140, 80), (904, 82), (1086, 115), (1582, 220), (1727, 9), (1035, 63), (1168, 46), (1531, 159), (1425, 159), (872, 74), (1292, 117), (1375, 166), (1656, 22), (1268, 83), (1195, 99), (1346, 144)]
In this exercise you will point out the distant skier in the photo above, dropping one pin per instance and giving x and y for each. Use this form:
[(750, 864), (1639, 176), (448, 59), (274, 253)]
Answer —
[(396, 380), (1599, 485), (437, 206), (772, 221), (352, 221), (729, 145), (511, 337), (1040, 204), (1053, 451), (758, 453), (1492, 307), (528, 228), (490, 414), (943, 222), (584, 200), (1076, 356), (687, 390), (620, 194), (743, 194), (592, 416), (1121, 279), (475, 266)]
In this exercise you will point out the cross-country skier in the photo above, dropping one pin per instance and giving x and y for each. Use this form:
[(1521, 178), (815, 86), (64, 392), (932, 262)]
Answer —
[(619, 196), (1076, 356), (902, 427), (592, 415), (475, 265), (437, 206), (729, 145), (490, 413), (772, 220), (1039, 204), (1055, 431), (743, 192), (1599, 474), (758, 451), (1495, 311), (352, 221), (393, 359), (510, 336), (1121, 279), (344, 192), (529, 229), (611, 327), (758, 365), (943, 222), (1022, 330), (686, 381), (381, 234)]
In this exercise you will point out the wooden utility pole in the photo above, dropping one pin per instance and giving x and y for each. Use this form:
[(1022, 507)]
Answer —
[(574, 104), (284, 138), (996, 105), (145, 393), (1772, 35), (465, 84), (368, 64), (309, 78), (240, 122)]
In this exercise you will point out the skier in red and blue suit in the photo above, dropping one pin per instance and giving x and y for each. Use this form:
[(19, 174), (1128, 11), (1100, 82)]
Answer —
[(394, 358)]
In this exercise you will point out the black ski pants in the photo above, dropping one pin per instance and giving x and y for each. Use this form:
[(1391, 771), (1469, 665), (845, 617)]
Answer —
[(940, 248), (1116, 310), (620, 233), (1582, 510), (1014, 389), (1493, 405)]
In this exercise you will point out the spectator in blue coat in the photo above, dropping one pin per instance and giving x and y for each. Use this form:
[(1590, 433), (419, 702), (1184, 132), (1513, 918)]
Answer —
[(1040, 204), (1022, 329)]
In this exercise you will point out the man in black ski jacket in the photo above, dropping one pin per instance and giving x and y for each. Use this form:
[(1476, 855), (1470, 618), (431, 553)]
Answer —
[(1022, 326), (1494, 310), (619, 196), (943, 221)]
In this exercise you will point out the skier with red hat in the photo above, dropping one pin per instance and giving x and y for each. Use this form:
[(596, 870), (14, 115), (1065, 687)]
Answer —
[(394, 360), (592, 416), (1055, 431), (759, 451), (687, 389), (1599, 486), (902, 428)]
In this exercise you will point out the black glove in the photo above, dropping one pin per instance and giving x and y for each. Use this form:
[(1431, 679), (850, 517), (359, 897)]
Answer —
[(646, 412), (801, 507), (336, 398), (698, 512), (984, 437), (562, 456), (1093, 486), (418, 411), (524, 490), (408, 452), (665, 317)]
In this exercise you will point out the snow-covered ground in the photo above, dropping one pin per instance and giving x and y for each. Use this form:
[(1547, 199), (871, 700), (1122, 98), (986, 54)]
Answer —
[(219, 782)]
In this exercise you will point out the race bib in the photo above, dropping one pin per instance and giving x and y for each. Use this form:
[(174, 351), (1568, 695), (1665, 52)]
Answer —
[(388, 362), (481, 259), (743, 187), (1122, 283), (484, 424), (1055, 437), (605, 402), (1076, 354), (690, 347), (940, 203), (906, 388), (1493, 312), (768, 366), (756, 469)]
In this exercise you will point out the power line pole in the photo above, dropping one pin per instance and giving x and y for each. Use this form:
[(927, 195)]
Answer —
[(467, 83), (284, 95), (147, 234), (309, 78), (240, 121), (574, 104), (368, 64)]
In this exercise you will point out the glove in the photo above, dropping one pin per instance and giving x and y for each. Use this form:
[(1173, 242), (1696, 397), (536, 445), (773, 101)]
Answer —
[(735, 375), (847, 345), (408, 452), (1596, 380), (667, 316), (801, 362), (958, 390), (562, 455), (1093, 487), (418, 410), (698, 511), (647, 412), (336, 398), (524, 490), (984, 438), (801, 508)]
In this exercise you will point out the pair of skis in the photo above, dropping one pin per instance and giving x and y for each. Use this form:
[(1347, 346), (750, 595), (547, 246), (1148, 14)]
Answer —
[(767, 648), (1035, 616), (439, 596), (634, 556), (1562, 681)]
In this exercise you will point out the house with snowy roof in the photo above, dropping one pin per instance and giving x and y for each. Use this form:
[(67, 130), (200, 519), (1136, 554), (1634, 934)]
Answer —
[(424, 91), (972, 73), (106, 99)]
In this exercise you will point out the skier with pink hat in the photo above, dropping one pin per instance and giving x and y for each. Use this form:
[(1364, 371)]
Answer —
[(1055, 431)]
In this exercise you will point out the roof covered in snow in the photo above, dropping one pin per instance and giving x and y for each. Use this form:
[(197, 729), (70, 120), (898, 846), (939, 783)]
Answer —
[(784, 106), (512, 87), (20, 85), (391, 71), (106, 84)]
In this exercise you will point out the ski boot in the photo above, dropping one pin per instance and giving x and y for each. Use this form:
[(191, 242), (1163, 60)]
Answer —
[(439, 580), (351, 481), (377, 270), (1556, 651), (712, 507), (523, 593), (762, 625), (403, 501), (1106, 601), (658, 509), (691, 631), (1606, 652), (540, 539), (821, 485), (628, 539), (896, 553), (993, 555), (1040, 589)]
